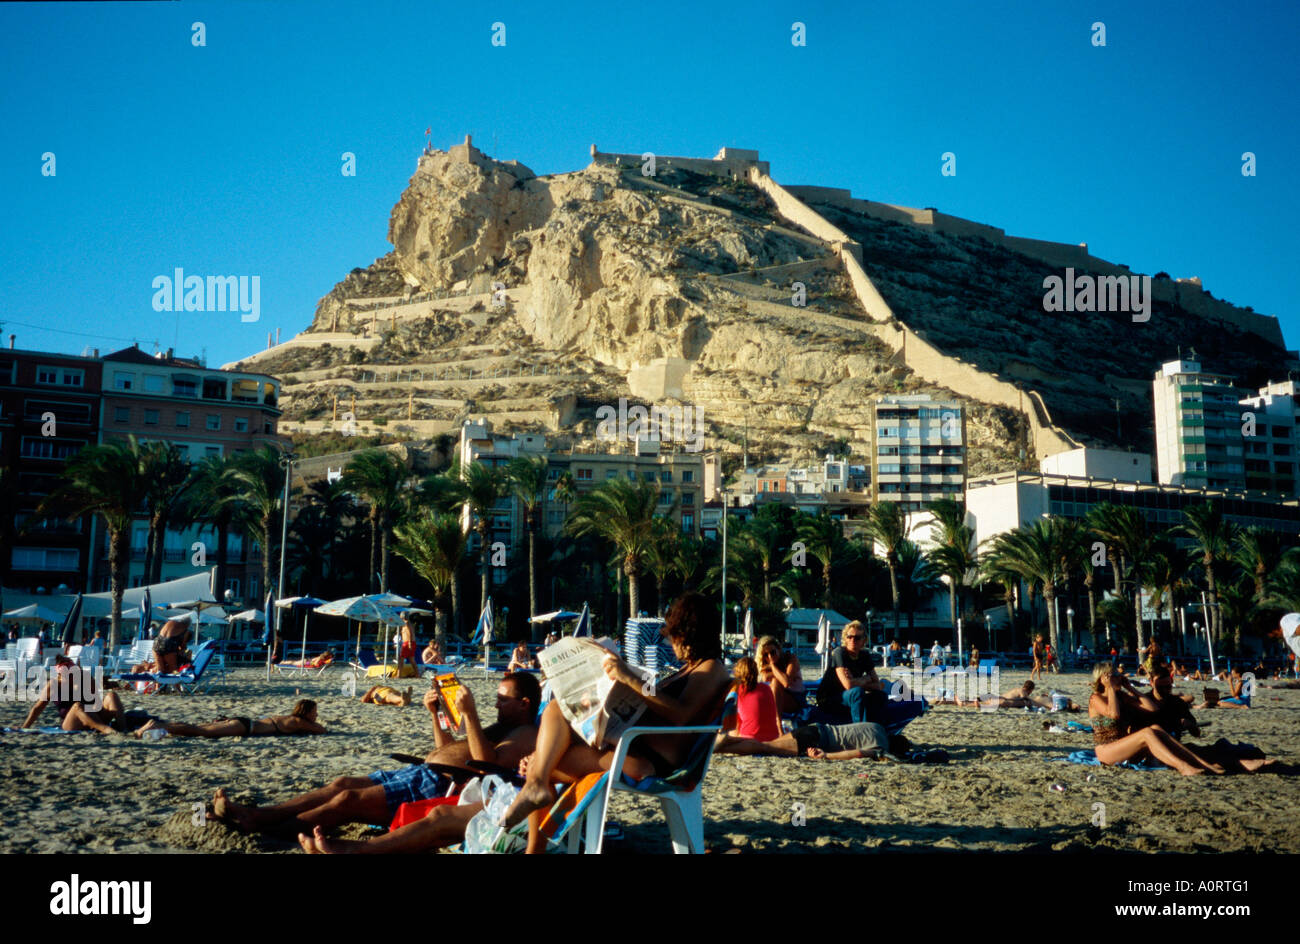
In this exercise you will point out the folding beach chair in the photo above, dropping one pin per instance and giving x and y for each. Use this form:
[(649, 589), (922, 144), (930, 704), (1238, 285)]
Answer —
[(305, 666), (194, 678)]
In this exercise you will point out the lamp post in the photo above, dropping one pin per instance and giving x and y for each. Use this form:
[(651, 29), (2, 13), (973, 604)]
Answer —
[(286, 463), (787, 603), (1069, 622)]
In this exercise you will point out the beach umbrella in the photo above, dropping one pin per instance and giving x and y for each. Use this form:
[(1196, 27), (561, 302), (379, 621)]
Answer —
[(304, 603), (484, 631), (34, 613), (71, 623), (823, 647), (557, 615), (268, 637), (584, 622), (1291, 631), (749, 628), (146, 615), (373, 608)]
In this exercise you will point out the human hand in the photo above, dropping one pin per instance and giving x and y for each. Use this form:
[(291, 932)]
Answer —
[(465, 702), (431, 699), (616, 670), (816, 753)]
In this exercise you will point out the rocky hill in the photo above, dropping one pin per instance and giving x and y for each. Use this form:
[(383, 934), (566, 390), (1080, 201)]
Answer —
[(532, 300)]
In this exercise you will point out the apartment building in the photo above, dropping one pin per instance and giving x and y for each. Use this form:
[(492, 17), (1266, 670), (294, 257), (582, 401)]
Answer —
[(49, 411), (686, 479), (1271, 447), (918, 454), (1198, 420)]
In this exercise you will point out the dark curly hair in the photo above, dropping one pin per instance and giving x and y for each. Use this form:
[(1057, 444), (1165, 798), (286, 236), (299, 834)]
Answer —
[(693, 621)]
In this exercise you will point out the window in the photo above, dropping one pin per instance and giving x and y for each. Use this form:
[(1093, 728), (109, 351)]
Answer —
[(666, 477), (611, 474), (185, 387), (241, 425), (688, 475), (214, 421), (212, 450), (631, 475), (45, 558), (122, 380), (153, 383), (46, 447), (666, 497), (34, 411), (688, 523), (151, 417), (584, 475), (183, 418), (688, 499), (60, 376)]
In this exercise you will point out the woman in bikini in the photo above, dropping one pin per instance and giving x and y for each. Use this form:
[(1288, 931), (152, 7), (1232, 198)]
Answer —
[(781, 671), (302, 720), (693, 696), (1117, 717), (169, 644)]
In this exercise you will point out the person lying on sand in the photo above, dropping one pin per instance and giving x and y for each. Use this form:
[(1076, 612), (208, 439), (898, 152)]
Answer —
[(384, 695), (817, 741), (301, 721), (1019, 697), (375, 799)]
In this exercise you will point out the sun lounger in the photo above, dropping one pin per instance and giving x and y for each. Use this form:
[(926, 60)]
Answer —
[(318, 665), (193, 678)]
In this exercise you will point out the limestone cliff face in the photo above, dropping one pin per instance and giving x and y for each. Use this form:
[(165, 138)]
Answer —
[(507, 294)]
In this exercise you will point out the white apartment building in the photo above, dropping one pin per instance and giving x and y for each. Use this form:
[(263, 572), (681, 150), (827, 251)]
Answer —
[(918, 454)]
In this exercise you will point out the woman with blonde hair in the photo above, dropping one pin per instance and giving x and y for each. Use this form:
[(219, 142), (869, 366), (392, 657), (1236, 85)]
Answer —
[(756, 716), (781, 672), (1118, 733)]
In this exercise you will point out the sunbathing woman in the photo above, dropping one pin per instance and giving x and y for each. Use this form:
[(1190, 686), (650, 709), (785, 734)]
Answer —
[(302, 720), (781, 672), (385, 695), (693, 696), (1119, 736), (169, 644)]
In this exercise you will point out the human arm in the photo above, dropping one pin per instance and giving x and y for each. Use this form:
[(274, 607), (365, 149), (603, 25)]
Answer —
[(441, 738), (703, 689), (303, 726), (38, 707), (480, 748), (868, 680), (816, 753)]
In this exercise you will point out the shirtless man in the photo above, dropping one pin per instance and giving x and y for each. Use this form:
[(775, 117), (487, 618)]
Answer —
[(817, 741), (375, 799)]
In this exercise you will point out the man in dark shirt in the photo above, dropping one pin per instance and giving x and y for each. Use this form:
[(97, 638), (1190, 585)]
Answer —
[(850, 686), (1171, 712)]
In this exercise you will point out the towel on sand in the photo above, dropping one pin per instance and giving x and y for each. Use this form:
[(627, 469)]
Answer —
[(1089, 759)]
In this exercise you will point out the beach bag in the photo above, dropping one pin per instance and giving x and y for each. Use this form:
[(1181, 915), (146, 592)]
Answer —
[(1060, 701), (483, 833)]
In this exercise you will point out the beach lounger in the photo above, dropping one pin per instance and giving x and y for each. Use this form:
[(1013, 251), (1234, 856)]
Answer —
[(318, 665), (194, 678)]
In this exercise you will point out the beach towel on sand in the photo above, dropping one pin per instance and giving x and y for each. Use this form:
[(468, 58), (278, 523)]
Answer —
[(1089, 759), (45, 729)]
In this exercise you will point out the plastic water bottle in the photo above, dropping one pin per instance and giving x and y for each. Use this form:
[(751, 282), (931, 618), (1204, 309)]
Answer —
[(155, 734)]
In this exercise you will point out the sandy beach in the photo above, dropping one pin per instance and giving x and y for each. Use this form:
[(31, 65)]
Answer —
[(1002, 791)]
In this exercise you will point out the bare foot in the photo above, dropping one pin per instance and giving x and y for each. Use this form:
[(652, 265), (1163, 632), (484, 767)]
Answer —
[(231, 813), (532, 796), (406, 697), (150, 725), (1193, 771), (1258, 763), (308, 843), (327, 846)]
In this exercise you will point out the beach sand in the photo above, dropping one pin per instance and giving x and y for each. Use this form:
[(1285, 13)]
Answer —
[(90, 793)]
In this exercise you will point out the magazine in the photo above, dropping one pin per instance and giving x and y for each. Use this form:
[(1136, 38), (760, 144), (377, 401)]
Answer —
[(448, 687), (598, 709)]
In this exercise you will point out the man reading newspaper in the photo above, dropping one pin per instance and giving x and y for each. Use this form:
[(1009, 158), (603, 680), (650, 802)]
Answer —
[(597, 708)]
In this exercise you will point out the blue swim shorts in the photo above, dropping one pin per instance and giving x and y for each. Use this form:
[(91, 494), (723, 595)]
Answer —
[(409, 784)]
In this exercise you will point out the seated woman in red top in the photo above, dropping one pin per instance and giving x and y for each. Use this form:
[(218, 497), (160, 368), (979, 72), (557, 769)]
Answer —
[(756, 715)]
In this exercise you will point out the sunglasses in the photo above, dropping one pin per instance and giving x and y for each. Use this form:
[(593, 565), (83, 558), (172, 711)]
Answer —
[(855, 637)]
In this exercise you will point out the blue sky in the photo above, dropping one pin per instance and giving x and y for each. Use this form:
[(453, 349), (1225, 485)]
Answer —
[(225, 160)]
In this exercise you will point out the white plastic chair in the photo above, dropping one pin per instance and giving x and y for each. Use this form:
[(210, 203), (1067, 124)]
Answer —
[(683, 809)]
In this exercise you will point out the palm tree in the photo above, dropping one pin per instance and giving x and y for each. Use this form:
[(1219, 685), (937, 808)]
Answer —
[(744, 568), (527, 476), (257, 480), (1213, 537), (104, 480), (954, 554), (662, 556), (435, 545), (823, 538), (622, 513), (1166, 576), (1258, 552), (993, 569), (1237, 606), (1127, 534), (918, 578), (212, 496), (885, 526), (377, 477), (167, 476), (762, 535), (1034, 552), (478, 487)]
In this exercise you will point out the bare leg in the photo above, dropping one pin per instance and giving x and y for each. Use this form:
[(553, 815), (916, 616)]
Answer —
[(1164, 748), (444, 826), (553, 740), (250, 818), (784, 746), (78, 719), (213, 729)]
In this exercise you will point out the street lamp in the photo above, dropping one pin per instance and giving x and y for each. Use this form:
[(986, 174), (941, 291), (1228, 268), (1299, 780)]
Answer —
[(286, 462), (1069, 622)]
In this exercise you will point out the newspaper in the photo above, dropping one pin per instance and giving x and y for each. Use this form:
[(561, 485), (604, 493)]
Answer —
[(598, 709)]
